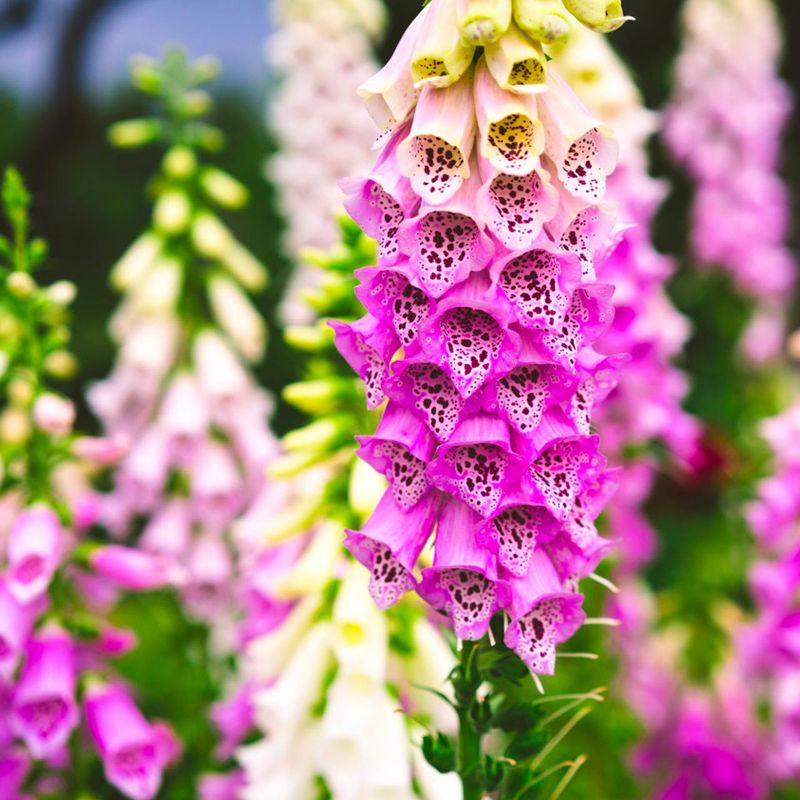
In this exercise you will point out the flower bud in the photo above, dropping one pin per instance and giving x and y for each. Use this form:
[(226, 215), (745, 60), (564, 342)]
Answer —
[(53, 414), (62, 293), (180, 162), (314, 568), (21, 285), (483, 21), (309, 338), (544, 20), (172, 212), (318, 396), (237, 317), (223, 189), (134, 133), (15, 427), (20, 390), (135, 262), (600, 15), (160, 289), (61, 364)]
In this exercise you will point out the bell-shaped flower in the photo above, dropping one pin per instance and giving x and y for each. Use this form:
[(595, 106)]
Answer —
[(436, 155), (447, 242), (127, 743), (43, 710), (543, 615), (390, 543), (463, 581), (400, 449), (34, 550)]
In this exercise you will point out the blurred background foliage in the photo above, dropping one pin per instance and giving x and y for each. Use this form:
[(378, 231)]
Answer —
[(62, 82)]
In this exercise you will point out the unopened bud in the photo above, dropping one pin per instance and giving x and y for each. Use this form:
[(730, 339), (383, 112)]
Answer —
[(61, 364), (62, 293), (172, 212), (196, 103), (600, 15), (483, 21), (21, 285), (53, 414), (15, 427), (309, 338), (223, 189), (135, 262), (544, 20), (320, 396), (180, 162), (134, 133)]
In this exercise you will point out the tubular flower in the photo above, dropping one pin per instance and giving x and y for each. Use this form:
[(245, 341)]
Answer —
[(724, 127), (320, 663), (643, 403), (767, 649), (482, 313), (182, 391), (53, 632), (320, 55)]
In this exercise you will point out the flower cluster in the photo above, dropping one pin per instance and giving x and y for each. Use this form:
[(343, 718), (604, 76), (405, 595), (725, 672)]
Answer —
[(724, 126), (487, 202), (55, 646), (645, 404), (767, 648), (320, 663), (181, 391), (321, 55)]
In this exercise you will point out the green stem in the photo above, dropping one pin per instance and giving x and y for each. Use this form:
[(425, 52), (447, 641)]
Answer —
[(469, 739)]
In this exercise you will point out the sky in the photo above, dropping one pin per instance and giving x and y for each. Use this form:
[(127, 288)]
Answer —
[(234, 30)]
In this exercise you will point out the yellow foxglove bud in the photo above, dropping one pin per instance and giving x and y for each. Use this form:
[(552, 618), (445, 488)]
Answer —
[(319, 396), (309, 338), (544, 20), (223, 189), (180, 162), (483, 21), (440, 56), (21, 285), (517, 63), (172, 212), (237, 317), (133, 133), (135, 262), (600, 15)]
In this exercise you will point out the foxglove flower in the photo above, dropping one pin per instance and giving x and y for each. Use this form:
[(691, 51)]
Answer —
[(741, 210), (483, 311), (127, 743), (34, 550), (44, 710), (182, 392)]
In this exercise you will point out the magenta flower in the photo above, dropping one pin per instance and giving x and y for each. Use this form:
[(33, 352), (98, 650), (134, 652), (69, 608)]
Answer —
[(482, 314), (34, 552), (16, 622), (44, 712), (135, 569), (127, 743)]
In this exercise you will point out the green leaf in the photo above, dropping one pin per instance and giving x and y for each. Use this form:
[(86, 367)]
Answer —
[(439, 752)]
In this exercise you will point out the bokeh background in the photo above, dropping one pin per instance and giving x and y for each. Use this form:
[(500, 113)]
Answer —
[(63, 79)]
